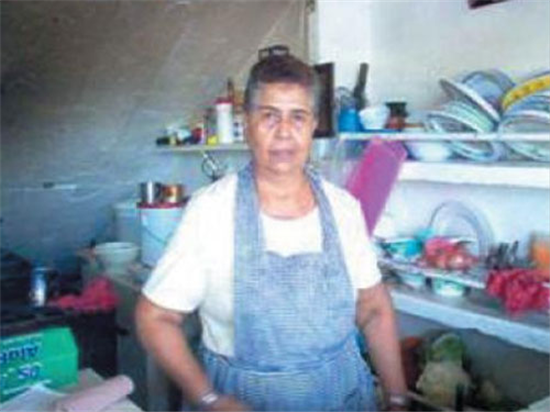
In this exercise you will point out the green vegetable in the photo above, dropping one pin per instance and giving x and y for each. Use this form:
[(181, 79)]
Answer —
[(448, 347)]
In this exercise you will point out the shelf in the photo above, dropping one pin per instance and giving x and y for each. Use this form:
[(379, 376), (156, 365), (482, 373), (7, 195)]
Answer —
[(518, 174), (474, 311), (475, 278), (234, 147), (438, 137)]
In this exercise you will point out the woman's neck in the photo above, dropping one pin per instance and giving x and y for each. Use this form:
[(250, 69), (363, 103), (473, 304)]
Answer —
[(286, 197)]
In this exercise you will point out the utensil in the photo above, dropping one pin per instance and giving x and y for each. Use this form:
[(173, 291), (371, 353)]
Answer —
[(211, 167)]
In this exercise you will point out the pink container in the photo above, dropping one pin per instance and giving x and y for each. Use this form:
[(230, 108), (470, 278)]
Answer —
[(372, 179)]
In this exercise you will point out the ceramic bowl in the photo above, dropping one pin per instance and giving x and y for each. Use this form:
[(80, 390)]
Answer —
[(374, 117), (116, 257), (415, 280), (402, 248), (448, 288), (429, 151)]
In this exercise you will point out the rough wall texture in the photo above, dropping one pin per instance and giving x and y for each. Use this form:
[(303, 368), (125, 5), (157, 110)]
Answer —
[(87, 87)]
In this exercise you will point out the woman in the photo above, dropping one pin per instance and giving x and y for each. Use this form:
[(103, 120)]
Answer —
[(278, 264)]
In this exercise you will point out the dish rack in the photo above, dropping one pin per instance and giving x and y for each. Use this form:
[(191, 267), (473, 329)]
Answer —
[(474, 278)]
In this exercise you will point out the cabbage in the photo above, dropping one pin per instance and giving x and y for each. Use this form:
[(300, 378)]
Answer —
[(439, 382)]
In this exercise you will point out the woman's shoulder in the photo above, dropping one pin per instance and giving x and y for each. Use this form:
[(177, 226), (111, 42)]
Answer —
[(338, 196), (215, 196)]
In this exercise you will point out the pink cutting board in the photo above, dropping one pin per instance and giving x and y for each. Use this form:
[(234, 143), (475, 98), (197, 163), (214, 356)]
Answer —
[(372, 179)]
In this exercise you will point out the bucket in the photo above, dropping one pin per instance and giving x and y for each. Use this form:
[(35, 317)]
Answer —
[(158, 223), (127, 222)]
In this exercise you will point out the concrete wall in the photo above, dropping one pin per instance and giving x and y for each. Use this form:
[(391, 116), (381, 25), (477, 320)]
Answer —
[(87, 87)]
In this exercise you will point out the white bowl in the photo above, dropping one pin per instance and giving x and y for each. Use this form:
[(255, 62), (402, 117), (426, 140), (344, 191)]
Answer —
[(415, 280), (374, 117), (116, 257), (448, 288), (429, 151)]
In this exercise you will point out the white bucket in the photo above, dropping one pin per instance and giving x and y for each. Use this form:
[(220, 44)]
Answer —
[(158, 223), (127, 223)]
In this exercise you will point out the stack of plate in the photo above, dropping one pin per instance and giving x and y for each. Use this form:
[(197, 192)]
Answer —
[(474, 108), (527, 110)]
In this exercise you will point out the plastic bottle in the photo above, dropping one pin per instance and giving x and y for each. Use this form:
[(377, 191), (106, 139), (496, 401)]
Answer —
[(224, 121)]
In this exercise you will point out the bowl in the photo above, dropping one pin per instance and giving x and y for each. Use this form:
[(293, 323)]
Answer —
[(116, 257), (449, 288), (402, 248), (374, 117), (415, 280), (429, 151)]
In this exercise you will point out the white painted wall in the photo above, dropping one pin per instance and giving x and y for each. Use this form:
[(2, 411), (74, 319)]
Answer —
[(410, 45)]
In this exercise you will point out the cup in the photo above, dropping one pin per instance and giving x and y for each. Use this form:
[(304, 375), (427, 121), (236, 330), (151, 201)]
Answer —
[(348, 120)]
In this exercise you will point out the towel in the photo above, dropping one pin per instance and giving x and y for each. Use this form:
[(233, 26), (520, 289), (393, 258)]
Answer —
[(98, 397)]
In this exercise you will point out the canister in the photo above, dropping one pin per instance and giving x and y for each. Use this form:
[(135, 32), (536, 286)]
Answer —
[(224, 121), (39, 286)]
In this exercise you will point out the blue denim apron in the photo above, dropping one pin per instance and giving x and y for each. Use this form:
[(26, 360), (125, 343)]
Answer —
[(295, 346)]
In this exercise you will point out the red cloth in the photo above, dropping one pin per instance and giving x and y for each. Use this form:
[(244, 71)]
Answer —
[(520, 289), (98, 295)]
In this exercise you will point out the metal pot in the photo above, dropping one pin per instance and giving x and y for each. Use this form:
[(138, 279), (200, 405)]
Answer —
[(173, 193), (151, 192)]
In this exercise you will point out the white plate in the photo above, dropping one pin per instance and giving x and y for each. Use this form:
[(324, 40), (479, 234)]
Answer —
[(492, 85), (539, 101), (462, 92), (471, 113), (528, 121), (445, 122), (454, 218)]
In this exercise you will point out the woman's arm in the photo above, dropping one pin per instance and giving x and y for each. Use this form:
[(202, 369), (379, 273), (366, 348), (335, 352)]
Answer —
[(376, 319), (160, 331)]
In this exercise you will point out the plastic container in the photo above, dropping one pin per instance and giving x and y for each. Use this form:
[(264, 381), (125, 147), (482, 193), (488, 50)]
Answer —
[(224, 121), (158, 223), (127, 222), (48, 356)]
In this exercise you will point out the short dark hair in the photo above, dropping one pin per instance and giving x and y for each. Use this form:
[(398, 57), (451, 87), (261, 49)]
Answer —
[(281, 69)]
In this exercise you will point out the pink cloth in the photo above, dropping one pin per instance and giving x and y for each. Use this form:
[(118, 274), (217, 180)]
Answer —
[(98, 295), (98, 397)]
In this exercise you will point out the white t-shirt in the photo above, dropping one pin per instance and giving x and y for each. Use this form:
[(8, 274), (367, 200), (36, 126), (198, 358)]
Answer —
[(196, 270)]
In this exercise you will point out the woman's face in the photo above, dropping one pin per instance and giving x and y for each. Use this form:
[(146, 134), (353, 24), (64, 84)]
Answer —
[(279, 128)]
